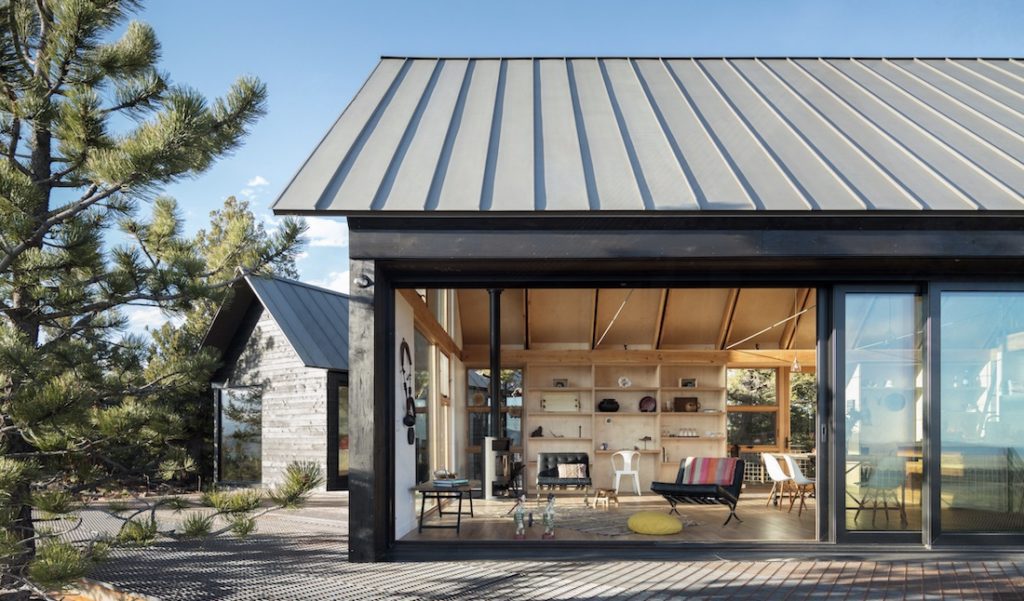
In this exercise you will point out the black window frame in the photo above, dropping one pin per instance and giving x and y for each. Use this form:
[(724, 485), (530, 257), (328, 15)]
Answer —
[(219, 393), (335, 380)]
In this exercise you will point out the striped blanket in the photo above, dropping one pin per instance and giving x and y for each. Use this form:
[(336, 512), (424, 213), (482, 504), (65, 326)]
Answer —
[(709, 470)]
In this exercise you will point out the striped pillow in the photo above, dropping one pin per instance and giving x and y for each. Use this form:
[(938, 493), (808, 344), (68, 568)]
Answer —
[(709, 470)]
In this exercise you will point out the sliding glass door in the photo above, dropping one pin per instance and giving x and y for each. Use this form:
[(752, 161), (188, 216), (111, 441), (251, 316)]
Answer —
[(980, 379), (880, 414)]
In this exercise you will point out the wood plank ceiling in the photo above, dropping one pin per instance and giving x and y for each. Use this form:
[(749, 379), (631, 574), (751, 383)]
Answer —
[(645, 318)]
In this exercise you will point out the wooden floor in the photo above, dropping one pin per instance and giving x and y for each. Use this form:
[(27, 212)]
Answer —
[(760, 522)]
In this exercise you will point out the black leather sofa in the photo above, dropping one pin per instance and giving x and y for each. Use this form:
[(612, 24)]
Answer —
[(677, 492), (547, 470)]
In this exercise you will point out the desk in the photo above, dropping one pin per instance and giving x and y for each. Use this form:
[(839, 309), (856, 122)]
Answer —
[(439, 493)]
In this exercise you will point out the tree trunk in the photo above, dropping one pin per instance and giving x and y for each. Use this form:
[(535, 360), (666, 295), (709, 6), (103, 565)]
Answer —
[(22, 316)]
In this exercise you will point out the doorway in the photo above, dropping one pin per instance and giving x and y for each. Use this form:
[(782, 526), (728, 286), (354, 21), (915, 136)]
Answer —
[(880, 414)]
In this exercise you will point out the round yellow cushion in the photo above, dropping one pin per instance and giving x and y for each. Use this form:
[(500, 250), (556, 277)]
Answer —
[(654, 522)]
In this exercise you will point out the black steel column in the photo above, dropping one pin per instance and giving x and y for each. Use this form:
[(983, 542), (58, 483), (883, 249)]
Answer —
[(495, 294)]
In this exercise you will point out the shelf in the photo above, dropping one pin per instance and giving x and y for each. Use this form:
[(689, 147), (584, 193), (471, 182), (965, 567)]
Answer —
[(641, 451), (630, 389), (561, 389), (709, 413), (689, 438), (694, 389), (627, 413), (542, 438), (559, 413)]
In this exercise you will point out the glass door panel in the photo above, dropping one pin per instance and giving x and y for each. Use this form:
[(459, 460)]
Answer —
[(882, 383), (982, 407)]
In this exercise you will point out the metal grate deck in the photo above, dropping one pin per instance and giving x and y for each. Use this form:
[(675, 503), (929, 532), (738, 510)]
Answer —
[(304, 557)]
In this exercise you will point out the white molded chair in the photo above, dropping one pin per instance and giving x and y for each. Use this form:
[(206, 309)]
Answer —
[(780, 479), (628, 458), (886, 483), (803, 484)]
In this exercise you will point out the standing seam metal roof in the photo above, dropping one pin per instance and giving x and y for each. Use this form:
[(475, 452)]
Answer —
[(315, 320), (686, 134)]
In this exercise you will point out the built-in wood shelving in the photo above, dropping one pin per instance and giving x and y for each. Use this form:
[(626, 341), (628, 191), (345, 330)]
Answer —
[(625, 428)]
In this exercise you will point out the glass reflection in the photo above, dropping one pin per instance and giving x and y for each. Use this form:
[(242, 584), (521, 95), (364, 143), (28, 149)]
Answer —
[(884, 419), (343, 457), (240, 435), (982, 406)]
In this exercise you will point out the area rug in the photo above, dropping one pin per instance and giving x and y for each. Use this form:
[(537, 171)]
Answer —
[(596, 521)]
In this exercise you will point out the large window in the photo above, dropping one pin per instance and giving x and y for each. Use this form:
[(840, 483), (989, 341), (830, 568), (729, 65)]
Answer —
[(803, 410), (239, 416), (421, 395), (982, 404), (753, 408), (479, 414)]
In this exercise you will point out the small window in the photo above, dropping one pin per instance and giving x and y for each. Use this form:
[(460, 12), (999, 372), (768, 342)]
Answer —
[(240, 439), (752, 387), (753, 408)]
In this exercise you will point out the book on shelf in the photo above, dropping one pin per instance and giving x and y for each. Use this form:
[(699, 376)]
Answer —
[(451, 482)]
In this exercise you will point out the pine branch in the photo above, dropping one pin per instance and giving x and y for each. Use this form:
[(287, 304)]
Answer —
[(19, 50), (44, 27)]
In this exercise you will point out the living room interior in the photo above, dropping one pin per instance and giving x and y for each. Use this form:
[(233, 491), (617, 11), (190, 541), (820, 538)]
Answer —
[(604, 394)]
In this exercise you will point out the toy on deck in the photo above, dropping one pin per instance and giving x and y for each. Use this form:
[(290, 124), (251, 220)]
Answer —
[(549, 517)]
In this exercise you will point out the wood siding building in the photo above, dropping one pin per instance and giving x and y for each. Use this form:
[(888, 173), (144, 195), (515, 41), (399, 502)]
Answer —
[(288, 380)]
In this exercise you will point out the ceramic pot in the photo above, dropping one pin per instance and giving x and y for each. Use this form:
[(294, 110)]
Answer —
[(608, 406)]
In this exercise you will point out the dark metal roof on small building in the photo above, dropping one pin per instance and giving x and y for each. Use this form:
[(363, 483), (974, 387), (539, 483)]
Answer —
[(313, 319), (682, 135)]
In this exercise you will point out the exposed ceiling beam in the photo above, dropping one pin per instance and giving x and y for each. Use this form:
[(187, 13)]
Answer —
[(727, 316), (803, 295), (477, 355), (427, 324), (660, 327)]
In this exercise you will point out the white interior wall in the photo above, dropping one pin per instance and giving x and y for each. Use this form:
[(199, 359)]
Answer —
[(405, 453)]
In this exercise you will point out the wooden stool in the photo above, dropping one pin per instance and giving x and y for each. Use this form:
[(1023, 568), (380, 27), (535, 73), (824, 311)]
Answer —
[(604, 495)]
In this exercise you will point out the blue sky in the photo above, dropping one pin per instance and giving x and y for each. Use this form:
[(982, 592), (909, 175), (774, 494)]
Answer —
[(314, 55)]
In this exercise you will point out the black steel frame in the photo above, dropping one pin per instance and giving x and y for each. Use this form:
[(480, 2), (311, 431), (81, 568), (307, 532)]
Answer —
[(838, 402), (335, 379), (934, 468), (910, 273)]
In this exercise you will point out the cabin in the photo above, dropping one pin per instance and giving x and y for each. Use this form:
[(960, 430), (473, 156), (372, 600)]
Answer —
[(281, 393), (810, 265)]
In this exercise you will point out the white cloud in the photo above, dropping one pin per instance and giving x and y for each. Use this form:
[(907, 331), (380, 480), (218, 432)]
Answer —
[(301, 255), (336, 280), (141, 319), (254, 187), (326, 232)]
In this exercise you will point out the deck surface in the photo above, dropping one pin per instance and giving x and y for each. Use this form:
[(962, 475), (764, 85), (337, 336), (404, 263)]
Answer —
[(303, 555)]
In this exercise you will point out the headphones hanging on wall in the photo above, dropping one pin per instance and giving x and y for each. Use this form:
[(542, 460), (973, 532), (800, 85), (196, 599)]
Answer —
[(409, 420)]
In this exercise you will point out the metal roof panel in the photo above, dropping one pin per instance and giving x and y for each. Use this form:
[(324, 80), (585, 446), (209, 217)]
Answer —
[(681, 134), (314, 320)]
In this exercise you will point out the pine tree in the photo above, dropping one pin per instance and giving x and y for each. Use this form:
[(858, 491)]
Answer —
[(90, 131), (234, 242)]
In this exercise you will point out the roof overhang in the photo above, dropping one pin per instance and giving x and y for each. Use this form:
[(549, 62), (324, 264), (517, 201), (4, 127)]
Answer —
[(672, 136)]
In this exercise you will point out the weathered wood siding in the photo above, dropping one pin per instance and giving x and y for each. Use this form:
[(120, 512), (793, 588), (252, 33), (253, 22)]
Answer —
[(294, 422)]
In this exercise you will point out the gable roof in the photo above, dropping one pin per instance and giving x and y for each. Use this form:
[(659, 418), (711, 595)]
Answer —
[(513, 135), (313, 319)]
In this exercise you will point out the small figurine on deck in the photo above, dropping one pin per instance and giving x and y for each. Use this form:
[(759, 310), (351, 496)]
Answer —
[(549, 517), (519, 517)]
